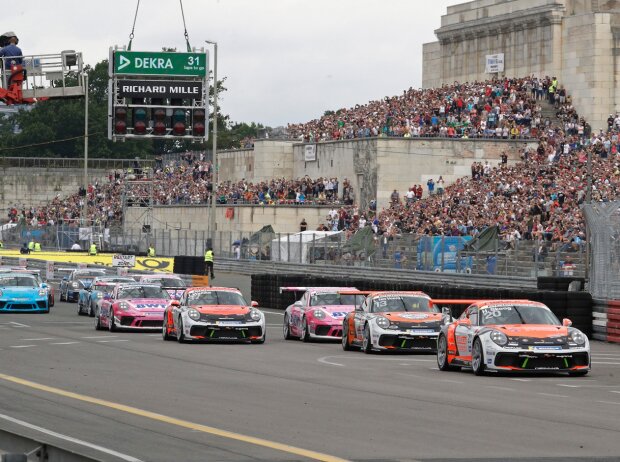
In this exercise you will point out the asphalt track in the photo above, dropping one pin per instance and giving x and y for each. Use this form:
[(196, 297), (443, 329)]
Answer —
[(132, 396)]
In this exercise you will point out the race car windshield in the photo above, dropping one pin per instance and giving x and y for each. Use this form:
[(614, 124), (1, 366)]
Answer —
[(335, 299), (21, 280), (89, 274), (105, 288), (213, 297), (403, 303), (143, 292), (517, 314), (169, 283)]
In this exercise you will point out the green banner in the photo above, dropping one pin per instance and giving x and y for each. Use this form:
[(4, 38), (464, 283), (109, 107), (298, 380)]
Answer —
[(160, 63)]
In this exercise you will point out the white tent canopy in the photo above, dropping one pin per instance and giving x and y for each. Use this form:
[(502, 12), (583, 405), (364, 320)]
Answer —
[(295, 248)]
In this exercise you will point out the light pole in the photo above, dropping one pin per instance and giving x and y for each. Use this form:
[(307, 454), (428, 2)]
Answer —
[(214, 177), (85, 206)]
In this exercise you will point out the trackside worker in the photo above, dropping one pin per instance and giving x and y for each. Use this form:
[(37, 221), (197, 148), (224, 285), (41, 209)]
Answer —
[(37, 246), (151, 252), (31, 246), (1, 245), (209, 263), (92, 250)]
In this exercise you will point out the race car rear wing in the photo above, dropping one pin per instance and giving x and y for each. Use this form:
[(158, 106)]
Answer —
[(293, 289)]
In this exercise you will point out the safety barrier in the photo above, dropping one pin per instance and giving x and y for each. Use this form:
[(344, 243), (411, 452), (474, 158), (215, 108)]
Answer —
[(606, 320), (577, 306)]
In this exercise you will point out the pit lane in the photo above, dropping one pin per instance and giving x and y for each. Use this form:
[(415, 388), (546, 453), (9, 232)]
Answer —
[(311, 396)]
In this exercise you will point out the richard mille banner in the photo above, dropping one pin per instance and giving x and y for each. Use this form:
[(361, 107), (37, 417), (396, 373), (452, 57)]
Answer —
[(159, 89)]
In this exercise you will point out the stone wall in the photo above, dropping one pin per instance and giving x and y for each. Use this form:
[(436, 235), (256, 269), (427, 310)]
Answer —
[(36, 186), (245, 219)]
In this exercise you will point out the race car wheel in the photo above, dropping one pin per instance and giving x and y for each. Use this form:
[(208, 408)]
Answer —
[(442, 354), (346, 345), (366, 342), (286, 329), (98, 323), (180, 334), (477, 357), (91, 310), (111, 325), (305, 335), (80, 308), (578, 373), (164, 330), (62, 299)]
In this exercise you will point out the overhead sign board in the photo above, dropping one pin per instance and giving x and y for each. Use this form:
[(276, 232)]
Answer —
[(159, 89), (123, 261), (494, 63), (160, 63)]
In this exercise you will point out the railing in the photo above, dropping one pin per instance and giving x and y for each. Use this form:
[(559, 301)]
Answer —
[(74, 162)]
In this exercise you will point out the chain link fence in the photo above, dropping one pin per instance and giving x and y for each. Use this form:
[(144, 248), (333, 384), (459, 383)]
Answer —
[(603, 226)]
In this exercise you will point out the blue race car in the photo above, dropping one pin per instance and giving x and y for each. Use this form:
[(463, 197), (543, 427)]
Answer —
[(79, 279), (22, 292), (89, 298)]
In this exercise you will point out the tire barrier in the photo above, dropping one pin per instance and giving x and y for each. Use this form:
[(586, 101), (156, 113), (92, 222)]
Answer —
[(578, 306), (606, 320), (560, 283)]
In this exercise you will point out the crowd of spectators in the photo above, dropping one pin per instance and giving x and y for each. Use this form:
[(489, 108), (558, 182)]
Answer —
[(506, 109)]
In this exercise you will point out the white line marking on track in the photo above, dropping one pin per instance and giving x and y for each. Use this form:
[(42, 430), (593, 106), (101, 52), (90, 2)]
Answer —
[(71, 439), (64, 343), (67, 322), (601, 362), (551, 394), (104, 336), (19, 324), (109, 341), (522, 380), (325, 361), (42, 338), (22, 346), (448, 380), (614, 391), (609, 402), (567, 386)]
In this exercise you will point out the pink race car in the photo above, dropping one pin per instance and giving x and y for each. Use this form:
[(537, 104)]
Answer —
[(174, 285), (136, 306), (318, 314)]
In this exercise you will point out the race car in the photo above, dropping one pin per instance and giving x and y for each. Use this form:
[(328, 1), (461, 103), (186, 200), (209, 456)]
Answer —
[(89, 298), (318, 313), (23, 292), (395, 321), (512, 335), (133, 306), (78, 279), (213, 313), (174, 285), (37, 275)]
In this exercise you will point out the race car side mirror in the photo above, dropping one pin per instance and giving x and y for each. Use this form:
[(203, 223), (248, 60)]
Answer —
[(446, 310), (65, 278), (465, 322), (44, 286), (175, 303), (254, 304), (299, 304), (567, 322)]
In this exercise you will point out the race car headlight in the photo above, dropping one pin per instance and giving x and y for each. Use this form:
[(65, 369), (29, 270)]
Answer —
[(255, 315), (42, 292), (99, 294), (499, 338), (577, 337), (193, 315), (75, 285), (123, 306), (382, 322), (319, 314)]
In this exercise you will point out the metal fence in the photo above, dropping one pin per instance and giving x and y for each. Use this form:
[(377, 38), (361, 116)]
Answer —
[(603, 226), (70, 162), (407, 252)]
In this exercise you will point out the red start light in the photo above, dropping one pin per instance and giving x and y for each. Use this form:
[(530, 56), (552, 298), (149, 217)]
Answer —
[(178, 129), (120, 127)]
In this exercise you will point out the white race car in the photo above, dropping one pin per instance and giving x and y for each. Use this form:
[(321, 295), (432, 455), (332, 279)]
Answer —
[(510, 336), (213, 313)]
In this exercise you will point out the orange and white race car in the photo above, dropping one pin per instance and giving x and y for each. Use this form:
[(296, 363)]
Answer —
[(213, 313), (512, 335), (403, 321)]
